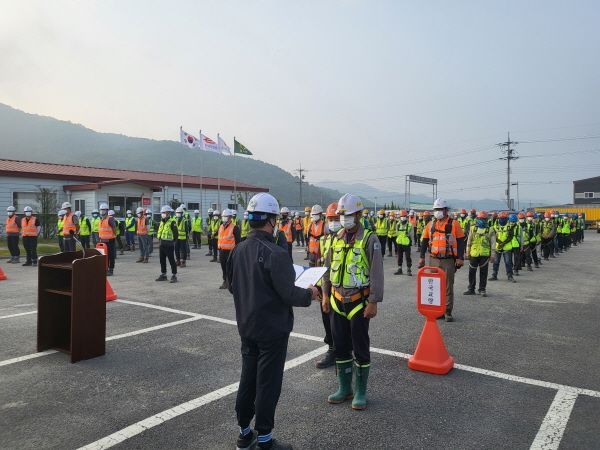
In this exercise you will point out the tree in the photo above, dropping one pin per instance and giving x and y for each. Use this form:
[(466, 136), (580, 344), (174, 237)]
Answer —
[(48, 204)]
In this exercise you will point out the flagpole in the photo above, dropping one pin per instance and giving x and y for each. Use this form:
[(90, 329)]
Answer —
[(218, 179), (234, 176), (201, 170), (181, 166)]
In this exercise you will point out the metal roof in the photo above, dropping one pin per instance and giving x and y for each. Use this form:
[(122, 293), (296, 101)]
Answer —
[(93, 175)]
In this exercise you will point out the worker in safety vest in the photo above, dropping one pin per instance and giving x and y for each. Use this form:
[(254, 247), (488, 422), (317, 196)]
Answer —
[(209, 231), (573, 237), (364, 220), (503, 232), (391, 236), (404, 236), (580, 227), (151, 231), (59, 227), (167, 235), (534, 219), (70, 228), (142, 231), (325, 246), (299, 228), (307, 222), (214, 227), (548, 232), (422, 220), (351, 289), (196, 226), (528, 239), (316, 229), (30, 230), (95, 223), (229, 237), (517, 243), (85, 229), (245, 227), (381, 229), (285, 225), (464, 221), (107, 232), (130, 231), (182, 233), (444, 240), (413, 219), (12, 229), (479, 253)]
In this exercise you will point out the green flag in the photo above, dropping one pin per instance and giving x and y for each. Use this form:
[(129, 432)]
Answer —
[(240, 148)]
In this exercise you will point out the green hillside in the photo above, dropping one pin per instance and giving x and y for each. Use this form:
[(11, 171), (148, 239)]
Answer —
[(32, 137)]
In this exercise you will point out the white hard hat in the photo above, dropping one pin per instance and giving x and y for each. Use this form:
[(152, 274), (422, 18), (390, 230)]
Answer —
[(411, 212), (349, 204), (179, 210), (62, 212), (316, 209), (285, 210), (65, 205), (226, 213), (262, 203), (78, 213), (216, 212), (27, 209), (111, 212), (128, 211), (166, 208), (440, 203), (148, 211), (103, 206), (139, 209), (210, 210), (182, 205), (196, 211), (94, 211), (11, 209)]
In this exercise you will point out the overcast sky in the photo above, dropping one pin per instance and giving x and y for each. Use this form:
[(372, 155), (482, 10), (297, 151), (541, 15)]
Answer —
[(375, 87)]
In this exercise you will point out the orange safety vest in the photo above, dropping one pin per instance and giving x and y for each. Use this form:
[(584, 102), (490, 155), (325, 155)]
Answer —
[(226, 238), (105, 231), (11, 224), (315, 231), (68, 225), (141, 229), (287, 229), (412, 220), (28, 227), (298, 224), (442, 242)]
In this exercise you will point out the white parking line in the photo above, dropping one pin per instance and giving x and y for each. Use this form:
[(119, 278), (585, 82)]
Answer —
[(553, 427), (18, 314), (160, 308), (171, 413), (26, 357)]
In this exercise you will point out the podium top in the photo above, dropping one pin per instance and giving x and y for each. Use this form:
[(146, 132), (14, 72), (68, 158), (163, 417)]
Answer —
[(65, 260)]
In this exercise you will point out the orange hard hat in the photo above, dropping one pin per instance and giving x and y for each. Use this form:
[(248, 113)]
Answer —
[(463, 211), (521, 215), (482, 215), (530, 214), (403, 213), (548, 214), (332, 210), (503, 215), (426, 213), (495, 214)]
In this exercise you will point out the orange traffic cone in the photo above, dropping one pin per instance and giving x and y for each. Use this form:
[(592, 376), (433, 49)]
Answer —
[(110, 294), (2, 274), (431, 355)]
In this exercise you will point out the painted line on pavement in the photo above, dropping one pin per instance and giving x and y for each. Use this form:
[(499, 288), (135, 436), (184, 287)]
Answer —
[(7, 362), (160, 308), (553, 427), (171, 413), (18, 314)]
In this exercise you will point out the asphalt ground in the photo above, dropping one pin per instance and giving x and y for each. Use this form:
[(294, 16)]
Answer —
[(527, 369)]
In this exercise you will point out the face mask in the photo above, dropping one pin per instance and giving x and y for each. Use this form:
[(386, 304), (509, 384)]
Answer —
[(502, 221), (529, 219), (128, 214), (521, 220), (10, 213), (463, 215), (315, 217), (347, 222), (481, 223), (547, 219), (94, 214), (334, 226), (139, 214), (381, 216), (28, 214), (245, 216), (225, 219), (403, 219), (163, 215), (438, 214), (178, 214)]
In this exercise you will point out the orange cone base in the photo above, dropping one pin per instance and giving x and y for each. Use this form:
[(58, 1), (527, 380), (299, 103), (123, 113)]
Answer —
[(110, 294), (2, 274), (431, 355)]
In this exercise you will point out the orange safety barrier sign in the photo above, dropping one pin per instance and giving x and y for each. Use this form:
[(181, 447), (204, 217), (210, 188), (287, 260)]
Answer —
[(110, 293), (431, 355), (2, 274)]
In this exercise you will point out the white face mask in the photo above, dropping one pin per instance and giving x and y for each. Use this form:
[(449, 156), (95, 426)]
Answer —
[(163, 215), (347, 222), (315, 217), (334, 226), (28, 214), (547, 219), (225, 219), (139, 214), (438, 214), (245, 216), (10, 213), (403, 219), (529, 219), (178, 214), (521, 220), (463, 216), (128, 214), (381, 216)]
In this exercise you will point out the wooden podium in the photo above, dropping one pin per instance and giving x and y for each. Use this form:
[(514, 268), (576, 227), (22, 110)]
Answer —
[(72, 304)]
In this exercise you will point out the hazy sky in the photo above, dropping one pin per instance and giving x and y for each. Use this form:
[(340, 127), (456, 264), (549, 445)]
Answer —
[(372, 86)]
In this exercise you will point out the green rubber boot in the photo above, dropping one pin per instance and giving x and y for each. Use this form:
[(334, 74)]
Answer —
[(360, 386), (344, 374)]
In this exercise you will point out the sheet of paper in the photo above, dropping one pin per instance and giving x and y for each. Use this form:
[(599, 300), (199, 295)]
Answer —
[(299, 269), (310, 276)]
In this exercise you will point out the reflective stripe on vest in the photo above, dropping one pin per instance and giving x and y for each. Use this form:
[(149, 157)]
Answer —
[(381, 227), (334, 305), (68, 225), (129, 223), (442, 242), (392, 232), (197, 224), (28, 227), (298, 224), (142, 227), (11, 224), (105, 231), (245, 227), (84, 229), (315, 231), (95, 221), (287, 230), (404, 232), (480, 242), (165, 233), (181, 228), (214, 225), (226, 237), (503, 237), (349, 264)]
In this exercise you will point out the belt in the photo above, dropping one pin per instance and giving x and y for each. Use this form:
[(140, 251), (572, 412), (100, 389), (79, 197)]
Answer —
[(352, 298)]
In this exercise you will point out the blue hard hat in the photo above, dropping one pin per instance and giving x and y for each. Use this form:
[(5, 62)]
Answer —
[(512, 218)]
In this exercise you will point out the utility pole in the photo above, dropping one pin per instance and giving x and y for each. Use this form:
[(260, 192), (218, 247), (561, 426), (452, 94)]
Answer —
[(301, 177), (510, 156)]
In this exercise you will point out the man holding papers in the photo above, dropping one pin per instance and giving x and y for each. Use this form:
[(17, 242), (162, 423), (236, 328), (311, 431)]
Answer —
[(261, 278), (352, 288)]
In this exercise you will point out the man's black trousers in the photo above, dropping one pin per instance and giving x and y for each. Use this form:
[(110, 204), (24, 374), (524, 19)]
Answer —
[(260, 382), (167, 251), (351, 336), (30, 244)]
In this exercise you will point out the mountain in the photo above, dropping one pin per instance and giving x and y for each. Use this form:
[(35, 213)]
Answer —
[(32, 137)]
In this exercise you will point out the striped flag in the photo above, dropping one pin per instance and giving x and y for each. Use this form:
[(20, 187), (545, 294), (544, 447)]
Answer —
[(208, 145), (223, 147)]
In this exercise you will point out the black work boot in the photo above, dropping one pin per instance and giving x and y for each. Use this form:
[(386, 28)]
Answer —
[(469, 292), (328, 360), (510, 278), (409, 272), (162, 277), (482, 292), (223, 286), (173, 279), (246, 442), (493, 278), (399, 271)]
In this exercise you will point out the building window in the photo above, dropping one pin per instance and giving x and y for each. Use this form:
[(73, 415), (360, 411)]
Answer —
[(233, 206), (213, 206), (80, 206), (23, 199), (193, 206), (588, 195)]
